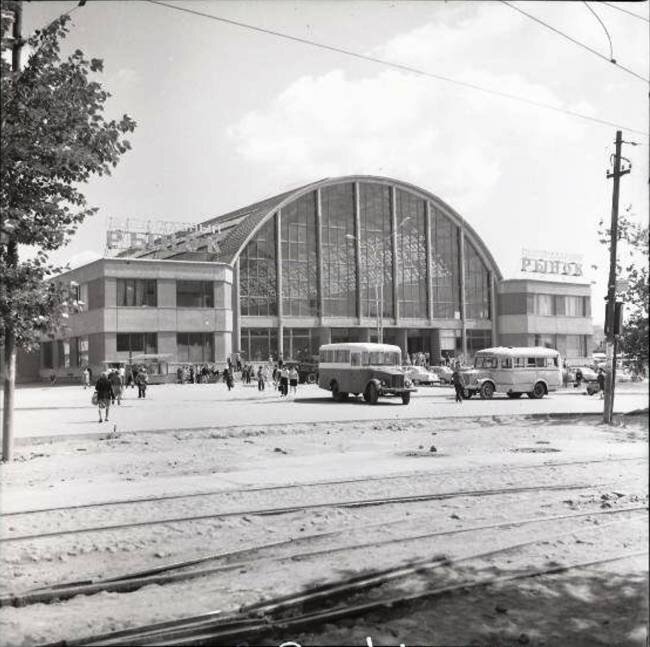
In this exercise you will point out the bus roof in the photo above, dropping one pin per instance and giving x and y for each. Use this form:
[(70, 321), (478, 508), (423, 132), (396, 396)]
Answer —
[(519, 351), (362, 346)]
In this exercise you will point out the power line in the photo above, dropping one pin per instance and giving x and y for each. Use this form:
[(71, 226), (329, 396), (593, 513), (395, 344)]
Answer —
[(602, 24), (575, 42), (629, 13), (399, 66)]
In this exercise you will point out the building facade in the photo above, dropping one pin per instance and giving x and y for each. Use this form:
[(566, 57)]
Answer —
[(357, 258)]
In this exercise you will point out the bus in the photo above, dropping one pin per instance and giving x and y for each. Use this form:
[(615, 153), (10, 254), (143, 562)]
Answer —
[(535, 371), (373, 370)]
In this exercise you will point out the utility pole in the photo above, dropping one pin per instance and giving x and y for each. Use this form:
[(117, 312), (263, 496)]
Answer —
[(610, 313), (9, 359)]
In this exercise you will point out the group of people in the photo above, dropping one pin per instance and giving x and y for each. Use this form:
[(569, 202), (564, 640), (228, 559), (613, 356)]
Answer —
[(110, 385)]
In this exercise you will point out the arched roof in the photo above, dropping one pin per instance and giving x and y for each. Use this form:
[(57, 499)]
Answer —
[(238, 227)]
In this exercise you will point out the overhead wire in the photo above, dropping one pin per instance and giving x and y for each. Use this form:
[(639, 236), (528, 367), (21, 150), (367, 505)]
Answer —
[(602, 24), (399, 66), (629, 13), (574, 41)]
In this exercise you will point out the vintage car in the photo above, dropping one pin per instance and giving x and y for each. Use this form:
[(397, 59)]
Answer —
[(420, 375), (444, 373)]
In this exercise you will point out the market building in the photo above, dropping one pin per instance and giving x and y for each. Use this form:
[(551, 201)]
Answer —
[(356, 258)]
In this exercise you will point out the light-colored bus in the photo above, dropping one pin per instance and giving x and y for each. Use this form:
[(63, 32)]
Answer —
[(374, 370), (534, 371)]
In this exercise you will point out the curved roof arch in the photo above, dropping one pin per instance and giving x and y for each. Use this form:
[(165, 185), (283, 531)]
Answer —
[(244, 223)]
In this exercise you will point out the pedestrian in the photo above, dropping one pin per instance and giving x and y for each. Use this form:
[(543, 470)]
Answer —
[(293, 379), (457, 381), (130, 377), (104, 393), (284, 381), (229, 378), (179, 375), (260, 379), (191, 375), (601, 382), (116, 386), (86, 377), (578, 381), (141, 379)]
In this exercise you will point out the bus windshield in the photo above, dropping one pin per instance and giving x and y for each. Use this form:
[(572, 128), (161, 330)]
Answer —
[(485, 361)]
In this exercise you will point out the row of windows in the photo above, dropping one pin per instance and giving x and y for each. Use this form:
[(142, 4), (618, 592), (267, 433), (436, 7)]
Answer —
[(516, 362), (374, 240), (363, 358), (549, 305), (72, 353), (144, 292)]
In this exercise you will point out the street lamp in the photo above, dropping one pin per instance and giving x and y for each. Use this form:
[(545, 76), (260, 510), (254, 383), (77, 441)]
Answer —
[(375, 251)]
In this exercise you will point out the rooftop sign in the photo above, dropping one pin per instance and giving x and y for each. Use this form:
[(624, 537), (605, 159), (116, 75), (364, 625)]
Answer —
[(534, 261)]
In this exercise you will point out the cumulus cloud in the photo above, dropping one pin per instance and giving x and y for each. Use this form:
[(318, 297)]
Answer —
[(451, 140)]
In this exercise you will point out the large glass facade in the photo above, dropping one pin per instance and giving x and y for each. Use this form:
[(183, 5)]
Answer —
[(477, 285), (338, 250), (259, 344), (300, 344), (376, 264), (411, 256), (257, 275), (299, 259), (445, 268)]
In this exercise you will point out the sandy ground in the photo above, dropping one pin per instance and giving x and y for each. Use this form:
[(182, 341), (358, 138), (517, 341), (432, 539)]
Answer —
[(243, 469), (66, 410)]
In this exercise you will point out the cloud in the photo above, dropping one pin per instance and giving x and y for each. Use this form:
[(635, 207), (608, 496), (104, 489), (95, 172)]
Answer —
[(451, 140)]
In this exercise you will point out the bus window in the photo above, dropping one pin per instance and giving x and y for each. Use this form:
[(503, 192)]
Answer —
[(540, 362), (520, 362), (375, 358), (342, 357), (364, 358), (355, 359), (506, 362), (530, 362), (395, 359), (485, 362)]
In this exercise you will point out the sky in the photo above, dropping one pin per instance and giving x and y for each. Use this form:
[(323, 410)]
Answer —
[(227, 116)]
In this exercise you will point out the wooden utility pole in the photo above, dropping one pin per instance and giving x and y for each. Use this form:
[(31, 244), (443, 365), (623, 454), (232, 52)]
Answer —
[(610, 314), (9, 359)]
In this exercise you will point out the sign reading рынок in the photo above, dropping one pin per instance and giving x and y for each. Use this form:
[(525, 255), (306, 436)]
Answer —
[(544, 262)]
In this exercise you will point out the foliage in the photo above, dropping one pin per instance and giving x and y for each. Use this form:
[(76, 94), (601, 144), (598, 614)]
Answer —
[(53, 137), (633, 246)]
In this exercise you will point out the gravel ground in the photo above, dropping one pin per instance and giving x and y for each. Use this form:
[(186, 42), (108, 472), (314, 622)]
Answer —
[(240, 467)]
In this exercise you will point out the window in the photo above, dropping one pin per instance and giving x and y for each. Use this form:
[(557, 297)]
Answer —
[(530, 304), (355, 359), (506, 362), (530, 362), (519, 362), (445, 266), (136, 292), (342, 357), (560, 305), (137, 342), (411, 256), (259, 344), (545, 305), (575, 307), (299, 260), (477, 285), (257, 276), (194, 294), (194, 347), (486, 362)]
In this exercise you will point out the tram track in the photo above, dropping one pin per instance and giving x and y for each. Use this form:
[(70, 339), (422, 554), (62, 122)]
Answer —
[(288, 611), (298, 485), (137, 579), (274, 511)]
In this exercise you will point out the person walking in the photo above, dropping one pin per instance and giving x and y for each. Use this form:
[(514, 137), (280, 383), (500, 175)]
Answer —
[(293, 380), (104, 393), (260, 379), (601, 382), (86, 378), (141, 380), (284, 381), (116, 386), (457, 381), (228, 379)]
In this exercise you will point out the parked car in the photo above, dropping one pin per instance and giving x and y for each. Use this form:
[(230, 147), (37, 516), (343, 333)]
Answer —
[(420, 375), (444, 373)]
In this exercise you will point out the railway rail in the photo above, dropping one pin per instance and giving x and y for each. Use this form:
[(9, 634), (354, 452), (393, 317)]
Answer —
[(354, 503), (288, 612), (137, 579), (311, 484)]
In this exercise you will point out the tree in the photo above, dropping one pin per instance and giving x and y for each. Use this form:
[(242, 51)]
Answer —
[(634, 273), (53, 138)]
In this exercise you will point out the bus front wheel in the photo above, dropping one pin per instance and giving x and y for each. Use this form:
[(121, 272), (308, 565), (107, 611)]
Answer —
[(487, 391), (538, 392), (371, 394), (406, 397)]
